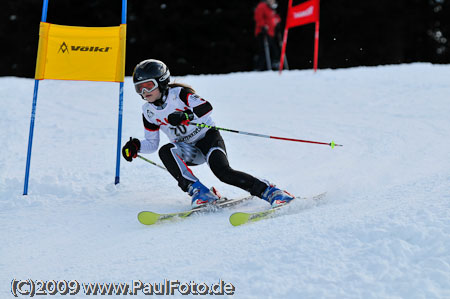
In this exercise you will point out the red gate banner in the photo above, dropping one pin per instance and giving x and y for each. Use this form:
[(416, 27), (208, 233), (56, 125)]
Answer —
[(302, 14)]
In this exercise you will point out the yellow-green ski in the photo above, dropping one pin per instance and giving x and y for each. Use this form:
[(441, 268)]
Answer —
[(150, 218), (240, 218)]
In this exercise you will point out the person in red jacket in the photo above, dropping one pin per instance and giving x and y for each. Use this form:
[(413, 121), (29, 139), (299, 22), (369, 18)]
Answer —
[(266, 22)]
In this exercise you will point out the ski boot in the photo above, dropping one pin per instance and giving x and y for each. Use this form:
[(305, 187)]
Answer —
[(276, 197), (201, 195)]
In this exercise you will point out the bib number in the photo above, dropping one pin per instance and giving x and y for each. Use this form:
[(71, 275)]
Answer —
[(179, 130)]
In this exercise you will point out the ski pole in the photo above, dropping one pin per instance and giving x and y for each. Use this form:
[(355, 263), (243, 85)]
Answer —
[(202, 125), (267, 52), (151, 162), (280, 43)]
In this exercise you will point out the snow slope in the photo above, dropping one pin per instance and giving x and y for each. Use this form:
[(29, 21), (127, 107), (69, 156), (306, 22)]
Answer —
[(382, 232)]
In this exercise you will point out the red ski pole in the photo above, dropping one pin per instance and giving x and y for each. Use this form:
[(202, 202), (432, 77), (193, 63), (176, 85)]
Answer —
[(332, 144)]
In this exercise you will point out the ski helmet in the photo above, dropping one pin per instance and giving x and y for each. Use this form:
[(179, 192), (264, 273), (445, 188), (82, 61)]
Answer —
[(151, 74)]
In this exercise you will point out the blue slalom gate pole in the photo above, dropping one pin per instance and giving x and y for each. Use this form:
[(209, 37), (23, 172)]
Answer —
[(119, 127), (33, 113), (119, 134)]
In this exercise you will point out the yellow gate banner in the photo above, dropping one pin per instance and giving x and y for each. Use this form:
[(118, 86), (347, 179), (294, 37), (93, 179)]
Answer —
[(81, 53)]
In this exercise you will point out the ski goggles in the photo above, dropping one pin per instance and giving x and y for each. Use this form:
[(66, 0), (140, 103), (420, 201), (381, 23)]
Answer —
[(146, 85)]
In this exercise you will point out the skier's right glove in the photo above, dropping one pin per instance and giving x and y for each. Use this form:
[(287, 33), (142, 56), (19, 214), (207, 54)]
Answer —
[(180, 117), (130, 149)]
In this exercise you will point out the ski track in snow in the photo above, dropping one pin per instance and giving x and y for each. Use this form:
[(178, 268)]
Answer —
[(383, 230)]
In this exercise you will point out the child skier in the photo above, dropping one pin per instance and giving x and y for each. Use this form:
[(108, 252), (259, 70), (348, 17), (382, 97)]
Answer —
[(170, 108)]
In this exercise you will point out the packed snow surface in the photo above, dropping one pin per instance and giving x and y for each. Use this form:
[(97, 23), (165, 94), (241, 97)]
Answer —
[(383, 230)]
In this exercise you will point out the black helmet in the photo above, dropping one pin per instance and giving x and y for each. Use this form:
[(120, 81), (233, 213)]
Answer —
[(152, 69)]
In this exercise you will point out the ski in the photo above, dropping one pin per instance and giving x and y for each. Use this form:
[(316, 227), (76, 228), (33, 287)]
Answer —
[(150, 218), (240, 218)]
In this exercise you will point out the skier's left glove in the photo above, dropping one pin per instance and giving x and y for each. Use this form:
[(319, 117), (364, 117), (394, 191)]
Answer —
[(130, 149), (180, 117)]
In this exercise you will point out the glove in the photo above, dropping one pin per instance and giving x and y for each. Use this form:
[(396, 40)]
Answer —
[(264, 30), (130, 149), (180, 117)]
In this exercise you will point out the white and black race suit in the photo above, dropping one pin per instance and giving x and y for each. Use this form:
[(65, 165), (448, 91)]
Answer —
[(190, 145)]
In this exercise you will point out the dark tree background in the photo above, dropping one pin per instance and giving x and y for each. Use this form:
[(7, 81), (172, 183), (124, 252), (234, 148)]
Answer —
[(204, 36)]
